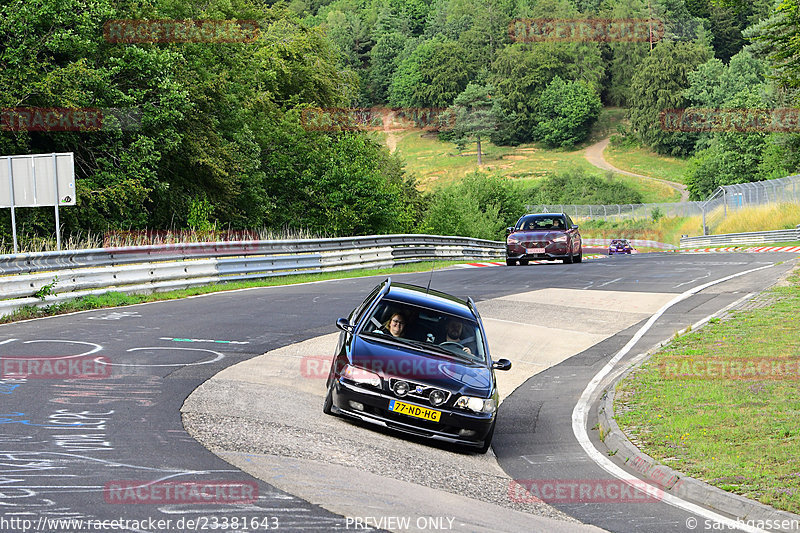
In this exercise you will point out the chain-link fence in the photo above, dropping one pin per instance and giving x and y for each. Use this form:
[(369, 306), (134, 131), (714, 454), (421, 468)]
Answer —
[(713, 210), (622, 211), (732, 197)]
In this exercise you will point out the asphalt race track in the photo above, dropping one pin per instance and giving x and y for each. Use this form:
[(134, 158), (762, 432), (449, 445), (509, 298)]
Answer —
[(68, 446)]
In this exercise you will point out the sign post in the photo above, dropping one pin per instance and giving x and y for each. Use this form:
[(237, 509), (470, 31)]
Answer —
[(37, 180)]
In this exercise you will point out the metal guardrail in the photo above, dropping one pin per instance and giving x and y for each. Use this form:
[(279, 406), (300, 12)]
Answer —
[(71, 274), (755, 237), (634, 242)]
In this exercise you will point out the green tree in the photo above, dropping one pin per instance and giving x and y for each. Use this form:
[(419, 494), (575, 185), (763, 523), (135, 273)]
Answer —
[(384, 59), (777, 37), (565, 113), (475, 116), (658, 86), (432, 76), (625, 56)]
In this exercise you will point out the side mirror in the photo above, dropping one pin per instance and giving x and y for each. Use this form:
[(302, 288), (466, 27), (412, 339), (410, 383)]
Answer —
[(502, 364), (344, 325), (574, 226), (509, 230)]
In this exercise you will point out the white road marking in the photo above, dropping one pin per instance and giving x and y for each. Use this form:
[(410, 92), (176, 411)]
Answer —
[(580, 414), (218, 357)]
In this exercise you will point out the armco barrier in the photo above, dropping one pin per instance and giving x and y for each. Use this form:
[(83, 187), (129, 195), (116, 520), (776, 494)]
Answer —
[(44, 278), (634, 242), (755, 237)]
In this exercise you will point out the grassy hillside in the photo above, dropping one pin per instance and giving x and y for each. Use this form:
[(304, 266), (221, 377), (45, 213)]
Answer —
[(436, 163)]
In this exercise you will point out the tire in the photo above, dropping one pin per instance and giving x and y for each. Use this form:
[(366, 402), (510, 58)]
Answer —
[(510, 262), (523, 262), (326, 407), (579, 259), (487, 443), (568, 260)]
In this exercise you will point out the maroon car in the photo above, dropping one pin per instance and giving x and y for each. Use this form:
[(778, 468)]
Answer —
[(546, 236)]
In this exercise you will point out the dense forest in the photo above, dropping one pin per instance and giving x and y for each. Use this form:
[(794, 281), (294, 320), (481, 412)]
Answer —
[(219, 137)]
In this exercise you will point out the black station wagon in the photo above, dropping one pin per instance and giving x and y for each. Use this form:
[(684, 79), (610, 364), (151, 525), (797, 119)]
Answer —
[(416, 361)]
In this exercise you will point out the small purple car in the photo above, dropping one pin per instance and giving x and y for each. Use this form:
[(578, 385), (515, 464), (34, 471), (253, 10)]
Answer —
[(619, 246)]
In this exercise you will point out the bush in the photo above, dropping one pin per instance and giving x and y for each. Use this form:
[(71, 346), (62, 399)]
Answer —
[(577, 186), (478, 206)]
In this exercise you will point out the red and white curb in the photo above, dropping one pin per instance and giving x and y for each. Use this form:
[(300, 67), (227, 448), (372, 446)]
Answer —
[(756, 249), (502, 263), (752, 249)]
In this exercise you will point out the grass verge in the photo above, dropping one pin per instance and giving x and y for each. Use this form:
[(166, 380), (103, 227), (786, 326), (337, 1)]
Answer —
[(643, 161), (721, 404), (117, 299)]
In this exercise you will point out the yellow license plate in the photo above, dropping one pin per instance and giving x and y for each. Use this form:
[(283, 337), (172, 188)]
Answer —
[(415, 411)]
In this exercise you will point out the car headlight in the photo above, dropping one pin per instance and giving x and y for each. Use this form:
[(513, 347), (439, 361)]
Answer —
[(361, 376), (478, 405), (512, 240), (560, 238)]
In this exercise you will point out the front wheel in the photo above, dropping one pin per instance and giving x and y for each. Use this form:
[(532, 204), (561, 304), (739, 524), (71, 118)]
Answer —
[(523, 262), (579, 259), (326, 407), (510, 262), (487, 443)]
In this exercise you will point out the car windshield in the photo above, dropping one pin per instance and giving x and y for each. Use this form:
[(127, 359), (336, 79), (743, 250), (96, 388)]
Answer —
[(540, 222), (427, 329)]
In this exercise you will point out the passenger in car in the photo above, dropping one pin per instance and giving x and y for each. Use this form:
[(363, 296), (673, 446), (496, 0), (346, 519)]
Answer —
[(396, 325)]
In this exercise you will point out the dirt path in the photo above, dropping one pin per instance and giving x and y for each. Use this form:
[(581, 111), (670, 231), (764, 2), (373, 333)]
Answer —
[(391, 138), (594, 155)]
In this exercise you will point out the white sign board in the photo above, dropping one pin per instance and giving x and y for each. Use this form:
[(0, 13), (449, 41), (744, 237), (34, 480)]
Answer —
[(38, 180)]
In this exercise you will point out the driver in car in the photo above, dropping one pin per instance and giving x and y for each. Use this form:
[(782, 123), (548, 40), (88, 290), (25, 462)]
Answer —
[(454, 330)]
